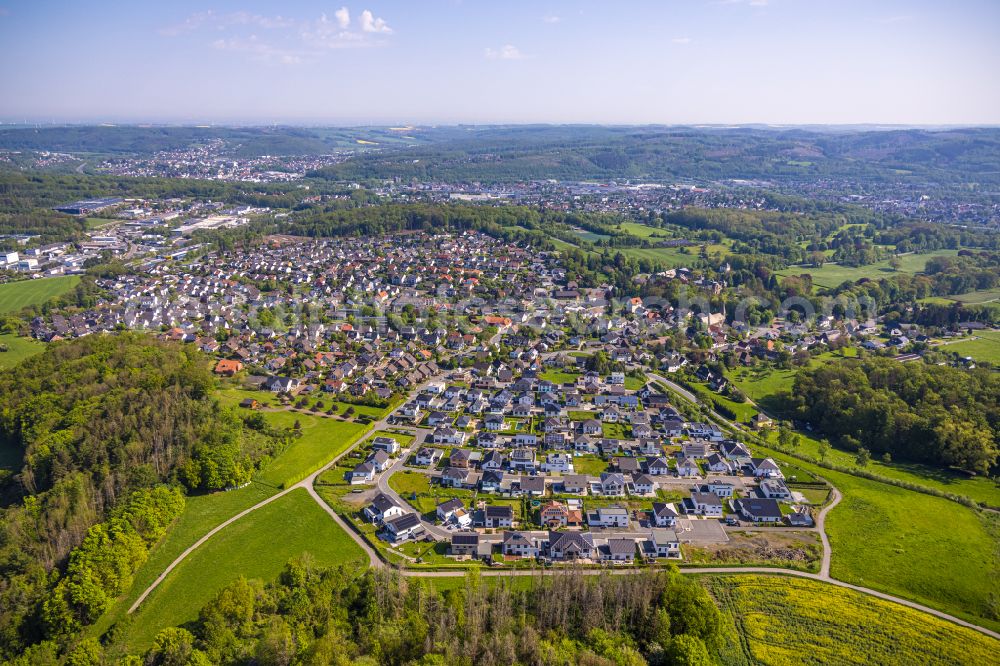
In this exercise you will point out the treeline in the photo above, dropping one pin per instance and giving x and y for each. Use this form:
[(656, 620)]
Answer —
[(333, 616), (94, 420), (970, 270), (100, 569), (762, 232), (916, 412)]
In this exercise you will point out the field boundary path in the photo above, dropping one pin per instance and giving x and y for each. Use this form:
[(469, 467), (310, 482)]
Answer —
[(375, 560)]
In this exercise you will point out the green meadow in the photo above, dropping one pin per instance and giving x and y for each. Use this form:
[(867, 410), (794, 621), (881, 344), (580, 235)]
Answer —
[(17, 295), (256, 546), (18, 349)]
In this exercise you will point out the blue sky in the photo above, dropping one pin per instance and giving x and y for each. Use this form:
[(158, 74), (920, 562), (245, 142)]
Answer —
[(449, 61)]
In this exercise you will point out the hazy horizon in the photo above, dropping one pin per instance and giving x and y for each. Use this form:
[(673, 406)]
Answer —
[(700, 62)]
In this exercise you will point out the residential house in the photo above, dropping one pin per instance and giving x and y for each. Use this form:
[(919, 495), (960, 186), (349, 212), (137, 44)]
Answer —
[(665, 542), (455, 477), (448, 436), (554, 515), (758, 510), (664, 514), (460, 458), (428, 456), (362, 474), (575, 484), (688, 468), (491, 481), (765, 468), (465, 544), (571, 545), (608, 516), (445, 510), (644, 484), (382, 508), (716, 463), (387, 444), (520, 544), (658, 466), (612, 484), (494, 460), (703, 504), (500, 515), (523, 459), (403, 527), (774, 489), (618, 550), (722, 489), (558, 462)]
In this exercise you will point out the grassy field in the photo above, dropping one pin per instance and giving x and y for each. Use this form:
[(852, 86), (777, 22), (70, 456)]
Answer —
[(201, 514), (405, 483), (644, 230), (759, 382), (743, 411), (832, 275), (98, 222), (929, 549), (979, 488), (985, 347), (323, 438), (18, 349), (17, 295), (559, 376), (672, 256), (784, 620), (257, 546), (978, 297)]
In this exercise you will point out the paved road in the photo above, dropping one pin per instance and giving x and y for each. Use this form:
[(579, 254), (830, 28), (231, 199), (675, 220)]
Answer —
[(306, 483), (376, 561), (383, 486)]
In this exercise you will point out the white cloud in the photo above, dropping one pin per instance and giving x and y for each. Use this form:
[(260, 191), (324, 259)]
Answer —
[(258, 50), (268, 22), (343, 16), (371, 24), (681, 40), (282, 39), (505, 52), (551, 19)]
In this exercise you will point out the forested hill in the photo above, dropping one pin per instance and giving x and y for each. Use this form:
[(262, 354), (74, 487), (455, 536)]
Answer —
[(692, 154), (910, 411), (101, 424)]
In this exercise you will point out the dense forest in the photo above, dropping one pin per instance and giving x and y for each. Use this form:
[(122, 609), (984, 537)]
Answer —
[(911, 411), (504, 154), (338, 617), (100, 424)]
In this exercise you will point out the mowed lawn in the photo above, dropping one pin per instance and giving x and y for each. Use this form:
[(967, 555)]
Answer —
[(256, 546), (201, 514), (559, 376), (783, 620), (985, 347), (17, 295), (925, 548), (321, 441), (18, 349)]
